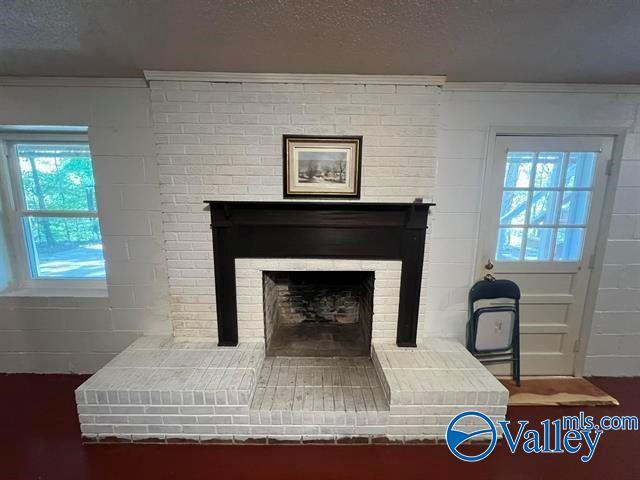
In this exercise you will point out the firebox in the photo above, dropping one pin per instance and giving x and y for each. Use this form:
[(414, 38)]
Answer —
[(318, 313)]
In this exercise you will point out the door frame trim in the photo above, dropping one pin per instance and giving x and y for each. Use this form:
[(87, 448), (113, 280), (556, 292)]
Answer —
[(618, 134)]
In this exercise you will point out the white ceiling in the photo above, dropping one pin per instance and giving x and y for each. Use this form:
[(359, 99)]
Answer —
[(583, 41)]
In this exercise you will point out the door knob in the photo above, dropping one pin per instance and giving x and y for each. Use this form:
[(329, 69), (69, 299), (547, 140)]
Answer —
[(489, 265)]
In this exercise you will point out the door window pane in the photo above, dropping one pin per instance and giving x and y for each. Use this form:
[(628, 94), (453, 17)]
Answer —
[(514, 208), (569, 244), (509, 244), (548, 169), (580, 169), (538, 245), (56, 177), (64, 247), (575, 207), (518, 169), (543, 207)]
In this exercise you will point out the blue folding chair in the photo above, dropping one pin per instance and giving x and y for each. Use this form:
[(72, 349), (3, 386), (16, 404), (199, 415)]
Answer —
[(493, 332)]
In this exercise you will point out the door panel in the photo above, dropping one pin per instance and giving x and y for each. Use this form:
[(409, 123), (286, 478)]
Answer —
[(544, 282), (542, 342), (541, 210), (544, 315)]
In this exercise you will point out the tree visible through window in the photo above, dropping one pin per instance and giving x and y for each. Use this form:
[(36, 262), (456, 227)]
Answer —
[(545, 205), (58, 212)]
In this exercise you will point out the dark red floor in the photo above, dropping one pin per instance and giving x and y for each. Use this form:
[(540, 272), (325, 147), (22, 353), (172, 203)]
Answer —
[(41, 440)]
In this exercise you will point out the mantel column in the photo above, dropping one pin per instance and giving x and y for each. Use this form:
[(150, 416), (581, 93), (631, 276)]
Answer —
[(225, 275), (413, 239)]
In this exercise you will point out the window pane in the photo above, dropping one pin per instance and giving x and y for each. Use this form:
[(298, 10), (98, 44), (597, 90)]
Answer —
[(64, 247), (509, 244), (575, 207), (56, 177), (518, 169), (580, 169), (569, 244), (543, 208), (514, 208), (538, 244), (548, 169)]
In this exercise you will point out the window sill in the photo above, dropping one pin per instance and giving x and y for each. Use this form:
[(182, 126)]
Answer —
[(58, 292)]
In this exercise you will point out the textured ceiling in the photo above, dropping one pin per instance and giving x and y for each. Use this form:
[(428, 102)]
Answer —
[(483, 40)]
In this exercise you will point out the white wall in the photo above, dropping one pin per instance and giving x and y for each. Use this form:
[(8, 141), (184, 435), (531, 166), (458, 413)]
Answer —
[(614, 346), (468, 112), (223, 141), (80, 334)]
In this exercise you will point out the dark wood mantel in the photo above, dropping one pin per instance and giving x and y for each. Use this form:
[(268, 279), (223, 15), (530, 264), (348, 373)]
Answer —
[(354, 230)]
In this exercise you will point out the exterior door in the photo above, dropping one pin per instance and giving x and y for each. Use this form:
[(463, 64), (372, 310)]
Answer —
[(541, 210)]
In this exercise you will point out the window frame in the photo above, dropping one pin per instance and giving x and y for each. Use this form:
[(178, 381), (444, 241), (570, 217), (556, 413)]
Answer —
[(16, 211)]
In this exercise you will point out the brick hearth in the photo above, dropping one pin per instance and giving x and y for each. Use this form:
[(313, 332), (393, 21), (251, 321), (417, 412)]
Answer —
[(160, 388)]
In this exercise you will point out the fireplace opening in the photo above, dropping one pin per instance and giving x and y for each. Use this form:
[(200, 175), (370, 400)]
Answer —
[(326, 314)]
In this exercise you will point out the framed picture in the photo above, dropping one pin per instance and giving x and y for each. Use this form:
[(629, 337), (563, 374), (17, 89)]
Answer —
[(322, 167)]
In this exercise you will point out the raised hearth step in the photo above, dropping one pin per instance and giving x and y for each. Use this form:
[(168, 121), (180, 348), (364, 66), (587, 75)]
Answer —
[(162, 389), (157, 370), (437, 372)]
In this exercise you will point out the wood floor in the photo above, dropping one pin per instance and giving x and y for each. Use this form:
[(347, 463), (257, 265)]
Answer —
[(41, 440)]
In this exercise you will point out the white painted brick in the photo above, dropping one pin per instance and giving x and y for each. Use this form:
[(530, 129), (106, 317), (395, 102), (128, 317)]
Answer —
[(318, 111), (123, 429), (160, 429), (100, 429)]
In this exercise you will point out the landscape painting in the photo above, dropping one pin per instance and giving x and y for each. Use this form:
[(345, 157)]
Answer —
[(318, 166), (322, 166)]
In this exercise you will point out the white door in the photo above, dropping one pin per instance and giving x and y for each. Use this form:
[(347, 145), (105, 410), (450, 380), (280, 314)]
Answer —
[(541, 210)]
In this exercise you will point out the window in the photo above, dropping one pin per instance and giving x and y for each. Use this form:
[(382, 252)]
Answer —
[(545, 205), (56, 222)]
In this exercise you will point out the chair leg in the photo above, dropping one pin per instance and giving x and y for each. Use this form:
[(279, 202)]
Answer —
[(516, 346)]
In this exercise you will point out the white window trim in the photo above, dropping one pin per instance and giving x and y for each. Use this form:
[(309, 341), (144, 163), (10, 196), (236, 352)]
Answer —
[(22, 283)]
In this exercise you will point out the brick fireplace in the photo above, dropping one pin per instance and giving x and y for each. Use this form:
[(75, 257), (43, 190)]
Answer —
[(222, 377), (341, 361)]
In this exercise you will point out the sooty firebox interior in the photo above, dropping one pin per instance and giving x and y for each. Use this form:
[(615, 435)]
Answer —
[(318, 313)]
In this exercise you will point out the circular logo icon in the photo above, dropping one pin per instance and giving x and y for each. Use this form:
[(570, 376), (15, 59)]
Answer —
[(464, 427)]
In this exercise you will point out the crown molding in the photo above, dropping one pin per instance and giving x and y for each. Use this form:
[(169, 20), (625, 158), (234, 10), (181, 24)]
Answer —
[(227, 77), (541, 87), (72, 82)]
